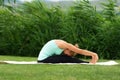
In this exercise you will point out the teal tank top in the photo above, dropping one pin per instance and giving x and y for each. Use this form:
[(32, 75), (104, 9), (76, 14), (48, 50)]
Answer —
[(49, 49)]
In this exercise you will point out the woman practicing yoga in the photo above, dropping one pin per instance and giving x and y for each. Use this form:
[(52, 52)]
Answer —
[(60, 51)]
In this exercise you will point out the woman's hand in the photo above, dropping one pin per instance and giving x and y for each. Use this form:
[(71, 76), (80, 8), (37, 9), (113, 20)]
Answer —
[(94, 58)]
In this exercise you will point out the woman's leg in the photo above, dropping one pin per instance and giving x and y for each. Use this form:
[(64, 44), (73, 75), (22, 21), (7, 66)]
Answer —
[(62, 59)]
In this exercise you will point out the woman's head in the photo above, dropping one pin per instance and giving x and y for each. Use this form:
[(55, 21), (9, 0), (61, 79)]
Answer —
[(69, 52)]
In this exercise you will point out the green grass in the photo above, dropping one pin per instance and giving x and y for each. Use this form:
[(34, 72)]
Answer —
[(55, 71), (16, 58)]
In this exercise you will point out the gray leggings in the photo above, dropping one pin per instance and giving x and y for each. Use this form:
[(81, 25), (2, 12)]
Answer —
[(62, 59)]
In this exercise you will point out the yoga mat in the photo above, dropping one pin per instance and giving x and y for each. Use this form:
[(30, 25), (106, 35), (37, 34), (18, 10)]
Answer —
[(35, 62)]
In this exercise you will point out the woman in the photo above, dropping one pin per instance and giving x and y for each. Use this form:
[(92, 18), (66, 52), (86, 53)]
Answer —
[(60, 51)]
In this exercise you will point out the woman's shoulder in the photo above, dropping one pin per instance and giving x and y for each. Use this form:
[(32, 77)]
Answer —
[(61, 43)]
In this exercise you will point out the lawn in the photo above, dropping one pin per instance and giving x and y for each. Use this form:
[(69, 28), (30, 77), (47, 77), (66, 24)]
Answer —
[(56, 71)]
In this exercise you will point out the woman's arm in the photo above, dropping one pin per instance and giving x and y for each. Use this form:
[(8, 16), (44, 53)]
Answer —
[(81, 51), (84, 52), (92, 54)]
